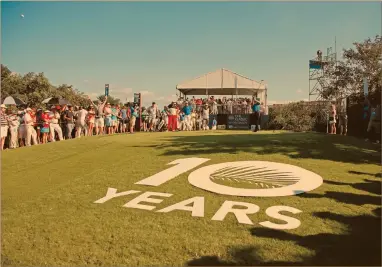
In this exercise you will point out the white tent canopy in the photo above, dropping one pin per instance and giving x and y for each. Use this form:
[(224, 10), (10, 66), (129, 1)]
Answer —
[(222, 82)]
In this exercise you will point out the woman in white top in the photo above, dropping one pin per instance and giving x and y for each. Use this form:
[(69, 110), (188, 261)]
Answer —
[(332, 118), (172, 117), (206, 117)]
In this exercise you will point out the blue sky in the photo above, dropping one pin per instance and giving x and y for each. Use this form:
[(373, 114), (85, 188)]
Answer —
[(150, 47)]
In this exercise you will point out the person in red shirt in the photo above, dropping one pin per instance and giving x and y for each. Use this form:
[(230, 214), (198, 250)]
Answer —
[(199, 104), (45, 127)]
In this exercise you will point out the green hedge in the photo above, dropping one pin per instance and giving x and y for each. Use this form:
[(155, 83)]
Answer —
[(299, 117)]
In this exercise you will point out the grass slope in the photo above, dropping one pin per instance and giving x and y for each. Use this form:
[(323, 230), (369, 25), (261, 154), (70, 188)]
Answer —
[(49, 218)]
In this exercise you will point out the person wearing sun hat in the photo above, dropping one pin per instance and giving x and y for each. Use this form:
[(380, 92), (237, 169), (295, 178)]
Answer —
[(4, 124)]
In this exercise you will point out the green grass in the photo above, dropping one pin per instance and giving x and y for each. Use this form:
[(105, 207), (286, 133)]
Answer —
[(49, 218)]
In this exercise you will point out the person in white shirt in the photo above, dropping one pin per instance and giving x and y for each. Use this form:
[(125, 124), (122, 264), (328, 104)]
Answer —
[(99, 122), (214, 107), (54, 126), (14, 124), (30, 131), (4, 124), (152, 111), (193, 120), (172, 117), (230, 106), (81, 122), (206, 117)]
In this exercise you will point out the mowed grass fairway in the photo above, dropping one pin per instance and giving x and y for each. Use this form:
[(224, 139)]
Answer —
[(49, 217)]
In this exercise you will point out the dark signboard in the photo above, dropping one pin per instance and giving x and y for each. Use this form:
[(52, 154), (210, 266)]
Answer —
[(315, 64), (106, 89), (212, 117), (238, 122), (137, 98)]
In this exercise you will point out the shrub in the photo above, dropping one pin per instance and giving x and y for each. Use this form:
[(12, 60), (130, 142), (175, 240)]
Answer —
[(299, 117)]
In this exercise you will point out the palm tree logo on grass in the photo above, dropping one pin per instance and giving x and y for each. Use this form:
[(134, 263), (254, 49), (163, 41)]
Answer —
[(253, 177)]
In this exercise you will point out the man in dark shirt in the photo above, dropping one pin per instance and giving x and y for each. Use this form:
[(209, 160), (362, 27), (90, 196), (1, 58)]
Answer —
[(69, 119)]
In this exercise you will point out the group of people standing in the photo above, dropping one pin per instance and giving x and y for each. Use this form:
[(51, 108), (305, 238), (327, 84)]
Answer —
[(31, 126), (189, 115), (371, 120)]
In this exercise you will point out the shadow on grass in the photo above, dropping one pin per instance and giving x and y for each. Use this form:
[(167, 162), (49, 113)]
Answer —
[(347, 198), (360, 245), (370, 186), (294, 145), (378, 174)]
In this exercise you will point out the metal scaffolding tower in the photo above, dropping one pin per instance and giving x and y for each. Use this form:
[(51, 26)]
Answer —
[(318, 76)]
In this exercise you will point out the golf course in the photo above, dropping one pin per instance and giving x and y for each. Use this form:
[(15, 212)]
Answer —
[(52, 214)]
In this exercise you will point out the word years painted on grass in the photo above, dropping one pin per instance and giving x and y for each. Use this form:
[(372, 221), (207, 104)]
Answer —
[(270, 179)]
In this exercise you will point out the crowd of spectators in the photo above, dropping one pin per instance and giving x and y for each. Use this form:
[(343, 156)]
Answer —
[(223, 105), (30, 126)]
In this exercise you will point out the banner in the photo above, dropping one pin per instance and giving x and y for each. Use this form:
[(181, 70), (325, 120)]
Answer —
[(137, 98), (106, 89), (238, 122)]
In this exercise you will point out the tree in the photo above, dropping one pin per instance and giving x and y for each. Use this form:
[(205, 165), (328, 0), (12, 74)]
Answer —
[(110, 99), (362, 61), (33, 88)]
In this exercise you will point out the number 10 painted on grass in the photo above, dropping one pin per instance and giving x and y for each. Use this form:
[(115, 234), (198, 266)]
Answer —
[(182, 166), (275, 179)]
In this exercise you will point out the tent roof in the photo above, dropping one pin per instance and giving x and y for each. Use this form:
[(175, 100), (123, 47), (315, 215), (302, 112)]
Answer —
[(221, 82)]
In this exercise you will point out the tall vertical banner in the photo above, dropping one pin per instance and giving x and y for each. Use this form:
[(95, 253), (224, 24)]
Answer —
[(365, 87), (107, 89), (138, 100)]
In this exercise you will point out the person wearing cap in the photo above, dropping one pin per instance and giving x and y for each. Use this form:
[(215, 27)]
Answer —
[(152, 112), (256, 110), (123, 115), (99, 122), (22, 128), (69, 120), (29, 133), (187, 117), (45, 126), (54, 126), (4, 124)]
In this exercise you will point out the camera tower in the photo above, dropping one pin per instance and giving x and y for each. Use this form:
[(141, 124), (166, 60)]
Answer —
[(318, 74)]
